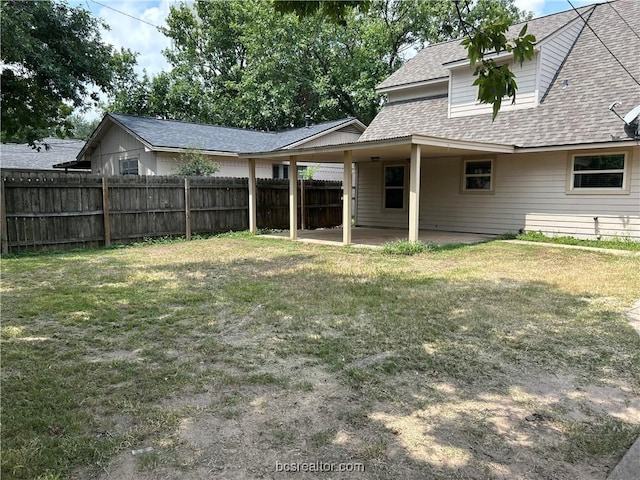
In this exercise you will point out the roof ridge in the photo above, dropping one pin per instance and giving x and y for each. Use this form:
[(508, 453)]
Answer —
[(184, 122)]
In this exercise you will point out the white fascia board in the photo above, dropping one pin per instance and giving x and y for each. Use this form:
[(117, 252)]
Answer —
[(340, 147), (184, 150), (405, 86), (464, 62), (462, 144), (94, 135), (580, 146), (353, 121)]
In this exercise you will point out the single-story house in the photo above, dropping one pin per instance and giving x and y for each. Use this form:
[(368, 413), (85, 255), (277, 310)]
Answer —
[(21, 156), (564, 159), (129, 145)]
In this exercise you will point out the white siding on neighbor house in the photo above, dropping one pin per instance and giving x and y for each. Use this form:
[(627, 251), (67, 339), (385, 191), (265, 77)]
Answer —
[(530, 193), (553, 52), (167, 164), (118, 145), (422, 91), (229, 166), (463, 94), (344, 135)]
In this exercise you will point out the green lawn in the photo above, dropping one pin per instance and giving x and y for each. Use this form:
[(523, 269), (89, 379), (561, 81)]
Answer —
[(228, 355)]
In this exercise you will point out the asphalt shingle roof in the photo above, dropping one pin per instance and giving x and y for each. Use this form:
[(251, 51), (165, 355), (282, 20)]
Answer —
[(576, 114), (175, 134), (22, 156), (428, 63)]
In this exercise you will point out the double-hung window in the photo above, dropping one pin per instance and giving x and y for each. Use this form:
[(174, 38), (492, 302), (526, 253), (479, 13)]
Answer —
[(129, 166), (605, 172), (477, 176), (394, 186)]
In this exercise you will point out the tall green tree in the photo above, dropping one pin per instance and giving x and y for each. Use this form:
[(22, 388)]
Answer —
[(53, 61), (247, 64)]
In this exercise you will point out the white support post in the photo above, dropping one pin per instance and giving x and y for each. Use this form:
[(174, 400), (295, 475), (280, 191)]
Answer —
[(414, 194), (293, 198), (253, 224), (347, 185)]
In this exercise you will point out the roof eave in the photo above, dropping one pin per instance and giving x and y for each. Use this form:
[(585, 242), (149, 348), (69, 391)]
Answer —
[(346, 123), (420, 83)]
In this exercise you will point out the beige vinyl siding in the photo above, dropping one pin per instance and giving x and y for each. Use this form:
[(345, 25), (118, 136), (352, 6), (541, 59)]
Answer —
[(345, 135), (369, 199), (422, 91), (118, 145), (553, 53), (530, 193), (463, 94)]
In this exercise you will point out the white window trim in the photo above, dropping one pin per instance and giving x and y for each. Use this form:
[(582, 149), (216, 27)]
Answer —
[(403, 188), (626, 174), (133, 159), (464, 176)]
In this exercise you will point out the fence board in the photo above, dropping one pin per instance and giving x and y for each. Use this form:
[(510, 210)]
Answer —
[(67, 210)]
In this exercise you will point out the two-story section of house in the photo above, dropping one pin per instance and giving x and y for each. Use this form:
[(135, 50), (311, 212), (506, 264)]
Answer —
[(563, 159)]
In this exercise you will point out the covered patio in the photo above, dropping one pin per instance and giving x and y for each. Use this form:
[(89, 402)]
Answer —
[(409, 150), (376, 237)]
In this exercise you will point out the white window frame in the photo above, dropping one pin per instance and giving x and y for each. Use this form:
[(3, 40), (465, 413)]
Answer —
[(403, 188), (626, 174), (128, 161), (491, 175)]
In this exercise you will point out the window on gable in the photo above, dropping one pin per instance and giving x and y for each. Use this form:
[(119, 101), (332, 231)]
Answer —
[(394, 186), (606, 172), (478, 176), (129, 166)]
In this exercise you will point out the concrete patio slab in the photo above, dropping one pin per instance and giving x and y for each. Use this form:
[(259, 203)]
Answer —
[(629, 466), (376, 237)]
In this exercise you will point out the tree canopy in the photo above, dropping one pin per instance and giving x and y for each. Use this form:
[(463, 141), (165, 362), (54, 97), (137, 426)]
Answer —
[(52, 56), (261, 65)]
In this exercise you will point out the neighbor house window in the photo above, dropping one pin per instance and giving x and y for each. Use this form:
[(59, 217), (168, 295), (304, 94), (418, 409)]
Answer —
[(599, 172), (394, 186), (129, 166), (478, 176), (280, 171)]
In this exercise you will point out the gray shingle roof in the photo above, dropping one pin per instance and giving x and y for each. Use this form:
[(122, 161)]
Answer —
[(428, 63), (577, 114), (175, 134), (22, 156)]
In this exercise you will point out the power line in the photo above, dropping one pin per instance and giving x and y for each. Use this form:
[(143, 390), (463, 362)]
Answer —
[(626, 23), (126, 14), (586, 22)]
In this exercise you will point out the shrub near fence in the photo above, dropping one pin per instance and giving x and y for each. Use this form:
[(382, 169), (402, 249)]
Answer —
[(56, 210)]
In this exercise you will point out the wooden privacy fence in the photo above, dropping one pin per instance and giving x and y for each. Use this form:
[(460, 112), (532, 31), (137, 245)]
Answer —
[(55, 210)]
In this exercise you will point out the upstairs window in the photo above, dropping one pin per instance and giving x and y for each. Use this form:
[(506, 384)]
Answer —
[(129, 166), (598, 172), (394, 186), (478, 176)]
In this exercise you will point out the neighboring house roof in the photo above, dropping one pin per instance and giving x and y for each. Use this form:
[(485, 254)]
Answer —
[(573, 114), (22, 156), (428, 64), (160, 134)]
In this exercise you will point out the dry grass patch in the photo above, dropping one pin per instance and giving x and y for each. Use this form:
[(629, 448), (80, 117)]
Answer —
[(228, 355)]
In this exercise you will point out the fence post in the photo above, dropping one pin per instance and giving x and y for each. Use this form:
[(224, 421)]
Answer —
[(105, 212), (187, 208), (3, 218)]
